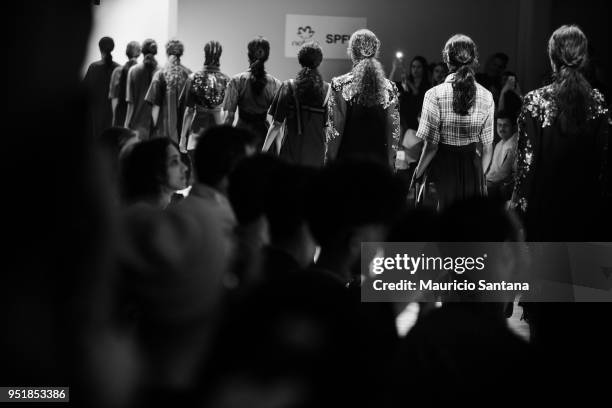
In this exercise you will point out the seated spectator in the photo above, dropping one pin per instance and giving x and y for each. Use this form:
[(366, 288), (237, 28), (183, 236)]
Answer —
[(248, 188), (465, 346), (289, 348), (511, 97), (349, 203), (292, 246), (222, 147), (152, 172), (439, 71), (500, 176), (491, 78)]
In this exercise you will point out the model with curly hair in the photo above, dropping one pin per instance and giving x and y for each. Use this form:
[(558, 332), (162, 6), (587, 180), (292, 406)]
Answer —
[(252, 92), (165, 90), (301, 106), (363, 109)]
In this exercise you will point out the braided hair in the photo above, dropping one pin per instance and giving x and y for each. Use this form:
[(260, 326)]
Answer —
[(567, 49), (461, 56), (258, 53)]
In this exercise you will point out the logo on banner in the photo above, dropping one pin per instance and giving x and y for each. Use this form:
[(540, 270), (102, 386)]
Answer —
[(332, 33), (305, 34)]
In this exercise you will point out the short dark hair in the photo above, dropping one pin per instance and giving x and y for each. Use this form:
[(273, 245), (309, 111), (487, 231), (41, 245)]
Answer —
[(249, 185), (106, 44), (505, 114), (144, 170), (218, 151)]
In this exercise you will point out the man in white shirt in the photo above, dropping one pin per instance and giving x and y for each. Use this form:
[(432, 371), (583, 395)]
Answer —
[(500, 174)]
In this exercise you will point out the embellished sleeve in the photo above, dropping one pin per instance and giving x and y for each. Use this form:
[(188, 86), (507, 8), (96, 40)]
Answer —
[(524, 157), (230, 102), (393, 110), (393, 121), (600, 112), (336, 111), (429, 126)]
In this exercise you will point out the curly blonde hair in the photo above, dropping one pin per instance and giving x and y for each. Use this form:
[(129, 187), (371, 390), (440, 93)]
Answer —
[(369, 80)]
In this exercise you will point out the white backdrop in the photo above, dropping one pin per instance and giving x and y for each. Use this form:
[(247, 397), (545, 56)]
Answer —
[(131, 20)]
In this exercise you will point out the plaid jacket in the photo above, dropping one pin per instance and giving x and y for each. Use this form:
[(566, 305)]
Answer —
[(440, 124)]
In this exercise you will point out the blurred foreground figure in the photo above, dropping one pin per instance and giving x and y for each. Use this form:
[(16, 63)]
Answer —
[(59, 230)]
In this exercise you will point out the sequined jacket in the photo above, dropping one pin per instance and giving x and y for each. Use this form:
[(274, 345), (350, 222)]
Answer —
[(206, 89), (537, 129), (342, 93)]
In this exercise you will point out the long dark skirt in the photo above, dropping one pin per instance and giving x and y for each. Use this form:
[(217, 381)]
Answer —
[(456, 172)]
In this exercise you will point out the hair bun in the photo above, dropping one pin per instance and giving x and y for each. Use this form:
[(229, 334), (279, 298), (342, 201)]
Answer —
[(310, 55)]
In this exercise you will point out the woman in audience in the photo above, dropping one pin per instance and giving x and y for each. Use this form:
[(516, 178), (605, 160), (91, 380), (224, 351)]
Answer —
[(457, 119), (252, 92), (203, 94), (412, 90), (302, 104), (165, 90), (510, 97), (562, 142), (152, 172), (363, 110), (439, 71)]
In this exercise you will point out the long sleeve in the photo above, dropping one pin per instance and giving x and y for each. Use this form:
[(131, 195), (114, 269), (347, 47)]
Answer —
[(393, 127), (524, 160), (336, 115)]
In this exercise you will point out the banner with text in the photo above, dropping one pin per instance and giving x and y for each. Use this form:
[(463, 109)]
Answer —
[(332, 33)]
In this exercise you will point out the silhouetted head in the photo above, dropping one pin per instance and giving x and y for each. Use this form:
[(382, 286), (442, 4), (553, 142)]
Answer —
[(310, 55), (258, 53), (106, 45), (132, 50), (149, 47), (218, 151)]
